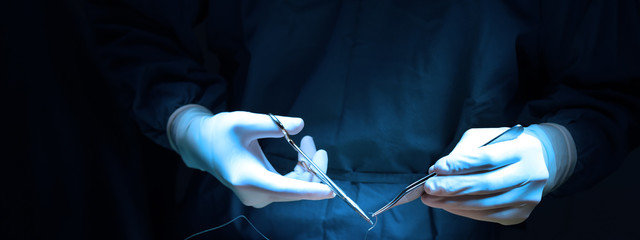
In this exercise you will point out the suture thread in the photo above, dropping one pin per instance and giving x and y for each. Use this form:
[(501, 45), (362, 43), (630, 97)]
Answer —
[(369, 230), (225, 224)]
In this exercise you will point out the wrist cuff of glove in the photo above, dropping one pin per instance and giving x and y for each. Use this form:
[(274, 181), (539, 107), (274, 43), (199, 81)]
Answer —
[(560, 152), (180, 120)]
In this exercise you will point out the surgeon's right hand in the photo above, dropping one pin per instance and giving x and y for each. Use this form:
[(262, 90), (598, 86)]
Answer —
[(226, 146)]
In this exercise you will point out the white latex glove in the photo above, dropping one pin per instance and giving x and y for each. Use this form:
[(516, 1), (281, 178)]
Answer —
[(226, 146), (500, 183)]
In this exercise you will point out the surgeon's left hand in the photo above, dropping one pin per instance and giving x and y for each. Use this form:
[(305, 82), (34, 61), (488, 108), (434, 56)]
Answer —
[(501, 182)]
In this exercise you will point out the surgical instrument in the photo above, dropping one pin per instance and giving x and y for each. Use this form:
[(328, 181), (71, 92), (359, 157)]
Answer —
[(415, 189), (319, 173)]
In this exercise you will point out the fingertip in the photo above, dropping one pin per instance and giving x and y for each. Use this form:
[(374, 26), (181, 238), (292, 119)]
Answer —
[(251, 126), (321, 153), (333, 195), (308, 146), (325, 193), (322, 160), (425, 200), (260, 205), (428, 186), (442, 166), (295, 125), (307, 140)]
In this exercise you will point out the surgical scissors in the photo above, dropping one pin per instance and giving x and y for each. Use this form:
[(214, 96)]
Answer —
[(414, 189), (319, 173)]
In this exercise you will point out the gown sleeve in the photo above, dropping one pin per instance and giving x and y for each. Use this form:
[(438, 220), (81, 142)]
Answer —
[(151, 53), (587, 78)]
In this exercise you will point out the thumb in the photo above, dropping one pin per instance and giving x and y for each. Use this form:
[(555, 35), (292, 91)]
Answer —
[(285, 189), (256, 126), (474, 138)]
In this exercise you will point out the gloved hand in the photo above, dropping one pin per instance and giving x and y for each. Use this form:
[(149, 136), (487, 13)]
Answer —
[(226, 146), (501, 182)]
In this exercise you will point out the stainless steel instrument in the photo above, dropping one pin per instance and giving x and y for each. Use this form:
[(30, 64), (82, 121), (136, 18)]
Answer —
[(415, 189), (310, 165)]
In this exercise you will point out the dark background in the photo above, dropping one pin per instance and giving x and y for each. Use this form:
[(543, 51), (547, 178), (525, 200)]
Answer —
[(76, 167)]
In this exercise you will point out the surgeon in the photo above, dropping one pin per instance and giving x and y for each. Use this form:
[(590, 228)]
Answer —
[(384, 92)]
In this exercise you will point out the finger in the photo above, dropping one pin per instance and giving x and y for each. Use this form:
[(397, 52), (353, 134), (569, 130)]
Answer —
[(281, 188), (308, 146), (321, 160), (514, 197), (300, 172), (480, 159), (504, 216), (498, 180), (320, 157), (257, 126), (476, 137)]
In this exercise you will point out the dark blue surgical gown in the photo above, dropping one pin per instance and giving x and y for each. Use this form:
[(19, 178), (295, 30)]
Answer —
[(386, 87)]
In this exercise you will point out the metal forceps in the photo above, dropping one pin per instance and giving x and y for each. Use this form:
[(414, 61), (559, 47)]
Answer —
[(415, 189), (310, 165)]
